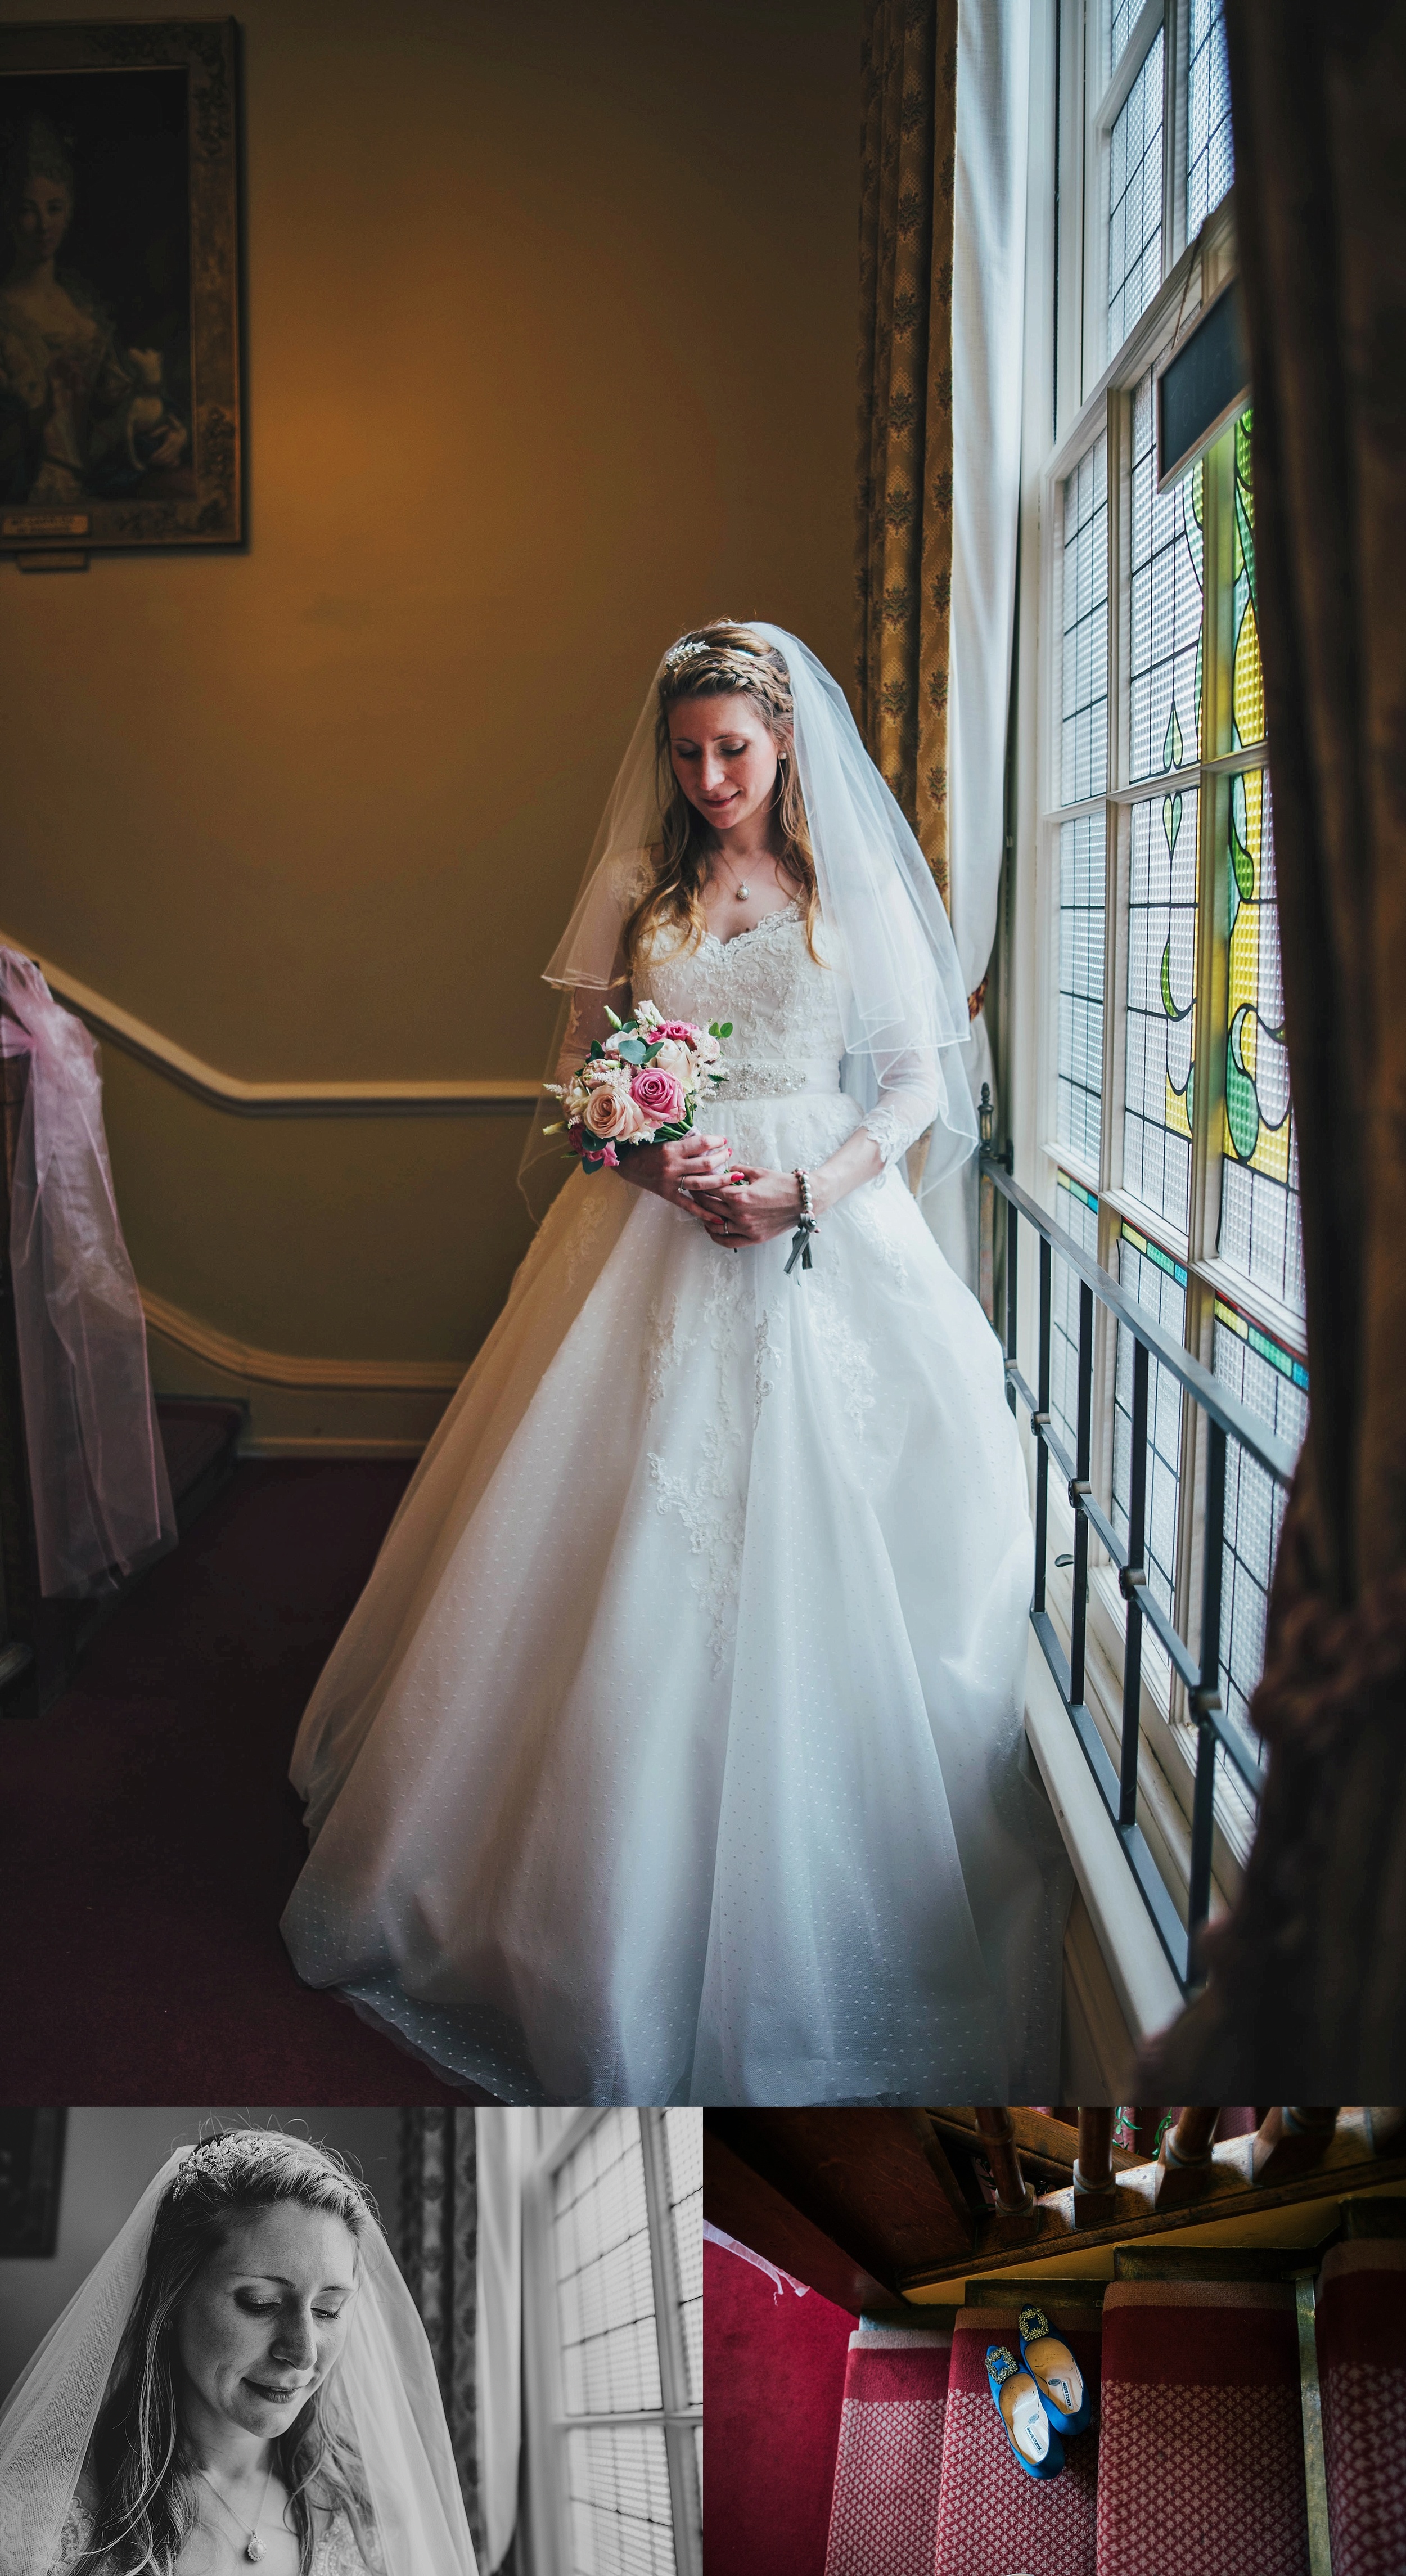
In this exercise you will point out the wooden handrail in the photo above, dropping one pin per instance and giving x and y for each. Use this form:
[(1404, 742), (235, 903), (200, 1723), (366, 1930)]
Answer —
[(240, 1099)]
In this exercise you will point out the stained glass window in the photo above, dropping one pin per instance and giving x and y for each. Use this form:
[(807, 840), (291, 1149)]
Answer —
[(1210, 157), (1084, 651), (1135, 200), (1159, 1093), (683, 2142), (1273, 1382), (1158, 1282), (1076, 1209), (1081, 927), (1165, 645), (1125, 17), (1260, 1211), (605, 2283), (1247, 675), (619, 2503)]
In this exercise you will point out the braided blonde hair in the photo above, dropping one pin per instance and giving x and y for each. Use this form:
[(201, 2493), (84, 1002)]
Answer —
[(719, 660)]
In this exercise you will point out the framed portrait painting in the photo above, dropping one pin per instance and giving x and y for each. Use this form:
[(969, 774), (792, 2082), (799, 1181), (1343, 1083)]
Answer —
[(119, 286)]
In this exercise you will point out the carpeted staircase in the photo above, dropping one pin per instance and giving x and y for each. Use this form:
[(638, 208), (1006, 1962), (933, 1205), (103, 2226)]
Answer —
[(889, 2469), (1194, 2464)]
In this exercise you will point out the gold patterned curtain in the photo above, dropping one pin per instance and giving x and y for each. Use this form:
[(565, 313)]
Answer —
[(438, 2251), (904, 520)]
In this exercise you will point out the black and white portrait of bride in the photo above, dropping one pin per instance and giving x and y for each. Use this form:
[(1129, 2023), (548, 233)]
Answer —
[(674, 1751), (241, 2379)]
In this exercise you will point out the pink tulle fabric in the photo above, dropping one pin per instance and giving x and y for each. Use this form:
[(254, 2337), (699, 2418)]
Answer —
[(102, 1502)]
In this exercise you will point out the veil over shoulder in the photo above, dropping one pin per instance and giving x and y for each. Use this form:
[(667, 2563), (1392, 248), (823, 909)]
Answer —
[(899, 982), (385, 2385)]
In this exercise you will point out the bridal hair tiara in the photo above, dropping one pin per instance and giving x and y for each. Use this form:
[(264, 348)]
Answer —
[(682, 652)]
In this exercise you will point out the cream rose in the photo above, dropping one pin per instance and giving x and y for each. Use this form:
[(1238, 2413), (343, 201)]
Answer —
[(673, 1058), (610, 1113)]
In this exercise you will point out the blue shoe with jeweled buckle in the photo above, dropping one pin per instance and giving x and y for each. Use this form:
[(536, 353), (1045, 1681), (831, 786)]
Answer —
[(1024, 2421), (1055, 2372)]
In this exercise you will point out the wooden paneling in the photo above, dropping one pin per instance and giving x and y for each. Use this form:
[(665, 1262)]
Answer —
[(877, 2183)]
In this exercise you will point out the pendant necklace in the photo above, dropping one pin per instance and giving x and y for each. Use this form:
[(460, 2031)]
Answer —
[(252, 2545)]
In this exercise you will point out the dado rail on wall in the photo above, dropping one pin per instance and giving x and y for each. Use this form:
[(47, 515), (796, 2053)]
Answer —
[(297, 1403)]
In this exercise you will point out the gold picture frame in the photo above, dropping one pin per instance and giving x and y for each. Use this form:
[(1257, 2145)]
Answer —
[(119, 288)]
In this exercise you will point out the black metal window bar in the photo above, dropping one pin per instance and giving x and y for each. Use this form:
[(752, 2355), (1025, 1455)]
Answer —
[(1226, 1419)]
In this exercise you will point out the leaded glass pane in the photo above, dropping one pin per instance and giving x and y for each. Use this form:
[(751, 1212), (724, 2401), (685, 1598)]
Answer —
[(1247, 674), (1260, 1213), (1125, 17), (1273, 1382), (1076, 1209), (1081, 921), (1159, 1085), (617, 2485), (1135, 200), (604, 2276), (1158, 1282), (1084, 623), (1210, 155), (1165, 651)]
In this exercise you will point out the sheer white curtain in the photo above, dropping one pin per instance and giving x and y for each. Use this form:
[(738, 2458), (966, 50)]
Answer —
[(988, 326), (505, 2141)]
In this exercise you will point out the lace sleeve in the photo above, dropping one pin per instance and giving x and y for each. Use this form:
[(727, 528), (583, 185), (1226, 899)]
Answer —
[(907, 1102), (587, 1021)]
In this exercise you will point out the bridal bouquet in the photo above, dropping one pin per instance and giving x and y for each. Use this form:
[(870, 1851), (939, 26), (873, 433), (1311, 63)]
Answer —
[(640, 1086)]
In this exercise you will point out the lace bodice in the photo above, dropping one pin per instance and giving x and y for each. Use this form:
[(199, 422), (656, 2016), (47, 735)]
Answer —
[(783, 1007), (787, 1031), (335, 2552)]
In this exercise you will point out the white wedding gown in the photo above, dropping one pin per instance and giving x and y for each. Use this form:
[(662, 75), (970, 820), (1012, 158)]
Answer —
[(674, 1750)]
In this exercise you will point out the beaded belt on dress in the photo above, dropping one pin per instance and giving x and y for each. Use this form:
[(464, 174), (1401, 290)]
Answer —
[(775, 1077)]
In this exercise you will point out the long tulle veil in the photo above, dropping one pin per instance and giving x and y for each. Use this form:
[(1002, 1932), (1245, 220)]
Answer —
[(899, 980), (385, 2389)]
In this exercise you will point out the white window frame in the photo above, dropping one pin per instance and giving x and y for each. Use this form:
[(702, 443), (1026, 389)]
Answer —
[(548, 2420), (1065, 339)]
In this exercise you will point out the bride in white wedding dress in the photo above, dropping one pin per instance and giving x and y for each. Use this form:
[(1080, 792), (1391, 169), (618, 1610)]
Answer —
[(674, 1752)]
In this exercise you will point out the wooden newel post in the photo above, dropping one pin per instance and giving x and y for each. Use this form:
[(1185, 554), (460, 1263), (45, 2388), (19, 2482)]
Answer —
[(1013, 2192)]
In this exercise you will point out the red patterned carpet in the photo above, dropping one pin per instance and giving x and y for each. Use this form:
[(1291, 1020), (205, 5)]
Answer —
[(888, 2473), (993, 2518), (148, 1836), (1202, 2431), (1362, 2372)]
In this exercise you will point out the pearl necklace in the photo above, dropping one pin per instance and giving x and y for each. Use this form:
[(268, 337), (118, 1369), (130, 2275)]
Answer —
[(741, 890), (254, 2548)]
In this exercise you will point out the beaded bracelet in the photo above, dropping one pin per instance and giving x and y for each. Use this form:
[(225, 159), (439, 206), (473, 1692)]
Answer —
[(807, 1224)]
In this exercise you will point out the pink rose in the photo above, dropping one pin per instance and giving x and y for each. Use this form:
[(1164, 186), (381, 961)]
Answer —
[(683, 1030), (658, 1095), (611, 1113)]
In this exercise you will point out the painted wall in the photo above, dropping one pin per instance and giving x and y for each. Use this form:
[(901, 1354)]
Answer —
[(110, 2155), (551, 323), (773, 2387)]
